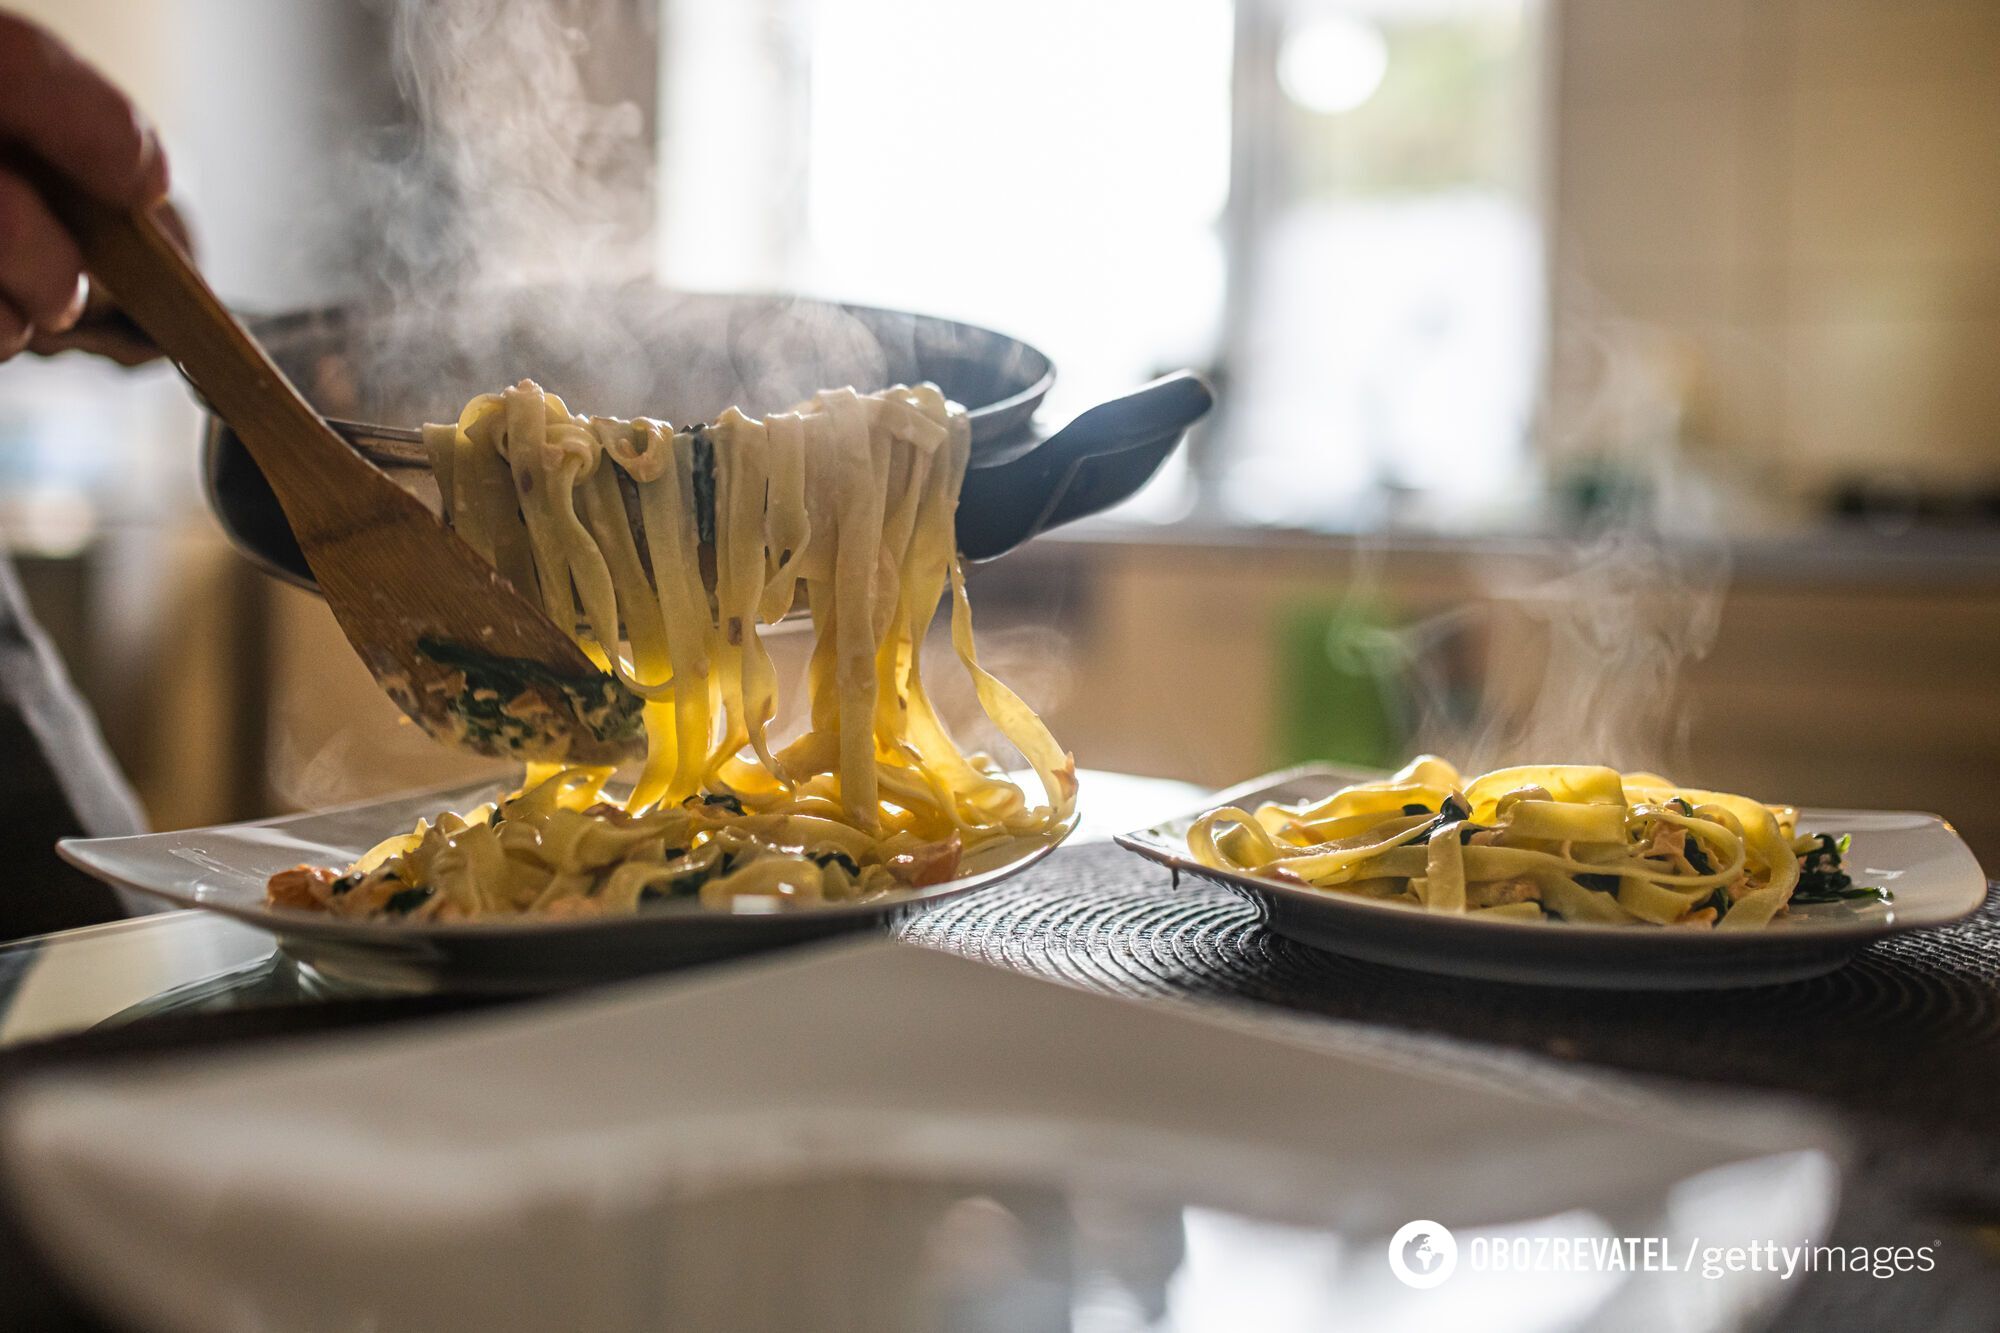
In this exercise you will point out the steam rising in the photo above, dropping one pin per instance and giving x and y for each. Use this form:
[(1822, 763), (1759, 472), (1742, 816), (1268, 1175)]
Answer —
[(505, 230), (1586, 666), (515, 168), (1575, 654)]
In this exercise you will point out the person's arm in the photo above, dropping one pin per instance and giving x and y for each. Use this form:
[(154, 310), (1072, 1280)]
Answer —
[(58, 108)]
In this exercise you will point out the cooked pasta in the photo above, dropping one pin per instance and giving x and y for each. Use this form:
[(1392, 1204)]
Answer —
[(667, 550), (1572, 842)]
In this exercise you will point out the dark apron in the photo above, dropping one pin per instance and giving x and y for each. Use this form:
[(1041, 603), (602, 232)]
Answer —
[(57, 779)]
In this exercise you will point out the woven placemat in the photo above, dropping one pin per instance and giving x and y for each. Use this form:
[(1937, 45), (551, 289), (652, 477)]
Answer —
[(1101, 917), (1902, 1045)]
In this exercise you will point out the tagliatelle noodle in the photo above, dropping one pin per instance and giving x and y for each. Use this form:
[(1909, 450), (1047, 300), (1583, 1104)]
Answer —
[(669, 551), (1574, 841)]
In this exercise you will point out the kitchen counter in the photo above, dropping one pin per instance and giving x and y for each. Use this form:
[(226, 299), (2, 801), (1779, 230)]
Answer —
[(1847, 554)]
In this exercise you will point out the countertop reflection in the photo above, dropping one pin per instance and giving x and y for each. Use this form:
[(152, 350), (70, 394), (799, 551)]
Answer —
[(80, 978)]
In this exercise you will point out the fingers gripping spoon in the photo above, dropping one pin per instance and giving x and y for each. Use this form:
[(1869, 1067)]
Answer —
[(472, 662)]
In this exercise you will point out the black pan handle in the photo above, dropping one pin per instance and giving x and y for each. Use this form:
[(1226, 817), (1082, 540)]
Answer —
[(1096, 461)]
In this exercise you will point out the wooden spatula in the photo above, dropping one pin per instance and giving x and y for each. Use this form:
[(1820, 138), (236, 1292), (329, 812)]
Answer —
[(476, 665)]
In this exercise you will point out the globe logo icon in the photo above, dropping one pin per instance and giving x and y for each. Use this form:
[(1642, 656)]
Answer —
[(1422, 1253)]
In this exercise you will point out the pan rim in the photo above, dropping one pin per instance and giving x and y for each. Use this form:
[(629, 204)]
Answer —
[(273, 328)]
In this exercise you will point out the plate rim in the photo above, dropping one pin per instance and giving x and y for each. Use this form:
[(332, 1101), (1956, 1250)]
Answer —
[(1590, 935)]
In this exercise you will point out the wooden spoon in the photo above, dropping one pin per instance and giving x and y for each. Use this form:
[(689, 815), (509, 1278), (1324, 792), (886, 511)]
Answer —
[(475, 664)]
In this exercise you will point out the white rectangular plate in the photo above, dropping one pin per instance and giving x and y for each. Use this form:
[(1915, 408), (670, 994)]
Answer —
[(876, 1136), (225, 868), (1919, 858)]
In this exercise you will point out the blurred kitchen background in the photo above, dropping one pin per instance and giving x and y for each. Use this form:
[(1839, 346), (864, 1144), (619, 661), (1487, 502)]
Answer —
[(1594, 374)]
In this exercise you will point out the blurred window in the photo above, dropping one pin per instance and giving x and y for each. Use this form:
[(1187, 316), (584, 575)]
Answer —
[(1386, 277), (1071, 163), (1329, 201)]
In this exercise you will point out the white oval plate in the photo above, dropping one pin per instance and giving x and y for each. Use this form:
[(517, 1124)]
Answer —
[(224, 869), (1919, 858)]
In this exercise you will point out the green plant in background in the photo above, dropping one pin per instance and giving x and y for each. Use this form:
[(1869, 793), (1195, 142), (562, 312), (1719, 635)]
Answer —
[(1339, 694)]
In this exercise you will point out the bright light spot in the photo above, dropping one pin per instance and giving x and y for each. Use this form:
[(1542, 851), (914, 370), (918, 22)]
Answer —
[(1332, 63), (1139, 158)]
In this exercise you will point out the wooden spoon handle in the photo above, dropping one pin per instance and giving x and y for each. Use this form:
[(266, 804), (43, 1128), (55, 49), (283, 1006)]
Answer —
[(154, 283), (422, 608)]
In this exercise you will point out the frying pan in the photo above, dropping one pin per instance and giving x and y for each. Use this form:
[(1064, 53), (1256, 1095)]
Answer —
[(641, 350)]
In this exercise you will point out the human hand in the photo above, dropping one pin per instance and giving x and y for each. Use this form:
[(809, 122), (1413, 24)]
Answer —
[(58, 108)]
